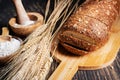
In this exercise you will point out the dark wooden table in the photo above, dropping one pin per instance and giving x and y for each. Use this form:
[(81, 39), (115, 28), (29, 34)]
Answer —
[(111, 72)]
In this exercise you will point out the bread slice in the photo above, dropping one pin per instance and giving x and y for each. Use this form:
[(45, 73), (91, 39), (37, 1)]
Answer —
[(74, 50), (88, 28), (84, 34)]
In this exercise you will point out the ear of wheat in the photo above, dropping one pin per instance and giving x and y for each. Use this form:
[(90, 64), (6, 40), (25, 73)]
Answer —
[(33, 60)]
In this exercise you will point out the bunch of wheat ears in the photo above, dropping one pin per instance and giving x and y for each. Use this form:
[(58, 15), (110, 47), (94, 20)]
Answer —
[(33, 60)]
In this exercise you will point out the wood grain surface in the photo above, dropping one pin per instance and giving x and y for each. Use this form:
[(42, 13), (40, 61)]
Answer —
[(103, 57), (111, 72)]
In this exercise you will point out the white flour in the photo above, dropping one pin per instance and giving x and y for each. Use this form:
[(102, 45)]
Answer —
[(28, 23), (25, 24), (9, 47)]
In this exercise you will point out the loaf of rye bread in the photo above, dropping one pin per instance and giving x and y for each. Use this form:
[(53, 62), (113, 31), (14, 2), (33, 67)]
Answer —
[(88, 28)]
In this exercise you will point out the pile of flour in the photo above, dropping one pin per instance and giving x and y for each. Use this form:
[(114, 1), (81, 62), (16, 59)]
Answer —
[(27, 23), (9, 47)]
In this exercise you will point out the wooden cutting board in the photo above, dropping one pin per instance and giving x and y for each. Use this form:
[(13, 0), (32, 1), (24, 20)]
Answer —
[(69, 63)]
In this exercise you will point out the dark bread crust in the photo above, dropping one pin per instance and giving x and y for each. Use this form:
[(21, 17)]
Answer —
[(104, 11), (88, 28)]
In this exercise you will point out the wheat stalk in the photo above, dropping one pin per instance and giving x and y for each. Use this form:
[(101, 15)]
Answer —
[(33, 60)]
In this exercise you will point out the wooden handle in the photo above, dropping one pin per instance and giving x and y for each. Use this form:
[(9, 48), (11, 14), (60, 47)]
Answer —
[(5, 31), (65, 71)]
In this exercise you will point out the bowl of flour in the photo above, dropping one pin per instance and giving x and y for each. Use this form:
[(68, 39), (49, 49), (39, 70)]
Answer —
[(8, 48)]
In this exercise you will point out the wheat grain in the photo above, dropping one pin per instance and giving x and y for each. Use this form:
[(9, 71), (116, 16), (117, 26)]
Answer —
[(33, 60)]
